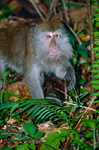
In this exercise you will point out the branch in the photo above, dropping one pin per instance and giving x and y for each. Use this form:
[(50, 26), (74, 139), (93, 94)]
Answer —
[(33, 3)]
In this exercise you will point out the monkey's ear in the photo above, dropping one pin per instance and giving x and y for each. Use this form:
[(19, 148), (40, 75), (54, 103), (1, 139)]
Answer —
[(36, 24), (35, 27)]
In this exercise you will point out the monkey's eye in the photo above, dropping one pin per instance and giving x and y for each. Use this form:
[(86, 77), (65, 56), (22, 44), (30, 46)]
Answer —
[(56, 35), (48, 36)]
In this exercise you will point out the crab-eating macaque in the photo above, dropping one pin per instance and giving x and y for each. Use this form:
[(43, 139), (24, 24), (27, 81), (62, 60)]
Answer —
[(35, 50)]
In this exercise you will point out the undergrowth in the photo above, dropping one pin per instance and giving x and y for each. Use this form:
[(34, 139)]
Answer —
[(80, 132)]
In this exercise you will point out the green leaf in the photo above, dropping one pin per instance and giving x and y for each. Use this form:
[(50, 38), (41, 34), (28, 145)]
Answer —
[(95, 71), (65, 132), (82, 81), (23, 104), (19, 135), (74, 108), (96, 86), (96, 94), (29, 112), (7, 148), (95, 82), (4, 135), (89, 123), (97, 127), (53, 140), (82, 51), (76, 137), (83, 95), (96, 33), (32, 146), (29, 128), (96, 102), (38, 135), (25, 108), (96, 55), (96, 42), (14, 141), (96, 62), (78, 32), (13, 8), (96, 66), (97, 23), (25, 139), (13, 108), (36, 110), (72, 5), (96, 48), (2, 122), (96, 9), (6, 73), (95, 0), (1, 80), (89, 135), (42, 115), (95, 4), (22, 147), (96, 19)]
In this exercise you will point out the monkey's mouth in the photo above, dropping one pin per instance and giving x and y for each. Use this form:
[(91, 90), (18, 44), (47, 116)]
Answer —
[(54, 55)]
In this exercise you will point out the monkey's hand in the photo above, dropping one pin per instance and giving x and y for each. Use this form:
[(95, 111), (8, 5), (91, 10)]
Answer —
[(70, 76)]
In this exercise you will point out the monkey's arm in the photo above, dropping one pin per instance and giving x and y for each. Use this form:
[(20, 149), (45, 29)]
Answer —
[(67, 72), (70, 76)]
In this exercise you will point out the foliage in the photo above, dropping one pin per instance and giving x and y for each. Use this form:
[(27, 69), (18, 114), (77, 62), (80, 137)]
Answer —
[(6, 11), (30, 129), (43, 110), (57, 113), (79, 51), (95, 67), (55, 139), (26, 146), (5, 95), (31, 134)]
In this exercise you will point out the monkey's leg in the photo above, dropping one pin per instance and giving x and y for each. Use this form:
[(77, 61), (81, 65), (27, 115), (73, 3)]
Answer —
[(34, 81), (1, 72)]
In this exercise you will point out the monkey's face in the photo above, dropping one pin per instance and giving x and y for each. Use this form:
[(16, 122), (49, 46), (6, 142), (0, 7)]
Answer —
[(51, 43), (51, 39)]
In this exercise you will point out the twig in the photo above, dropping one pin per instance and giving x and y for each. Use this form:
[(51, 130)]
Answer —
[(91, 38), (65, 89), (42, 10), (33, 3), (87, 108), (53, 6), (79, 41), (65, 9)]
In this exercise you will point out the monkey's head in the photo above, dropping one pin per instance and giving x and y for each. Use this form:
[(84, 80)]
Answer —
[(52, 43)]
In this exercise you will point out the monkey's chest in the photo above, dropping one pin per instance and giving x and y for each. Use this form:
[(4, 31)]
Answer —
[(51, 67)]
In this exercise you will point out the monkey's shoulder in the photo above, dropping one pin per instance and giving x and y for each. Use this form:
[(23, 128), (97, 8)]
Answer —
[(16, 28)]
